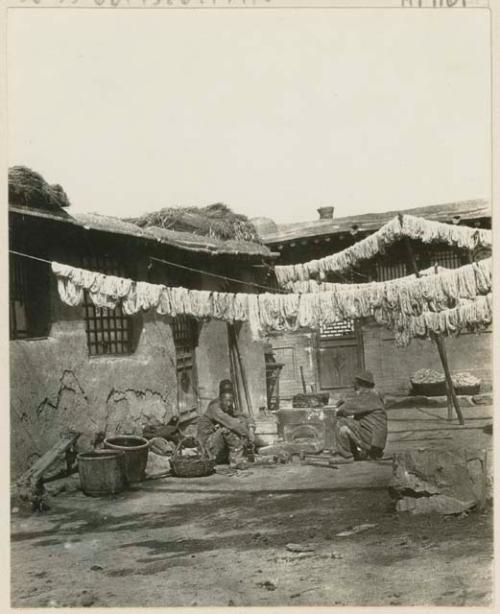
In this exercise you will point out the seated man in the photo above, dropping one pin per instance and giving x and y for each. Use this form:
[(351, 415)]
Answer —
[(223, 432), (361, 426)]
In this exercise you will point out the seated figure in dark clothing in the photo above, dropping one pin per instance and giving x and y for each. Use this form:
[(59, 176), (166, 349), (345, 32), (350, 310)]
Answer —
[(361, 425), (223, 431)]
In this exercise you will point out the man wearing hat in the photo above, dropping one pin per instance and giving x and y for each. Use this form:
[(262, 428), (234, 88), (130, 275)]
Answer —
[(361, 426), (224, 432)]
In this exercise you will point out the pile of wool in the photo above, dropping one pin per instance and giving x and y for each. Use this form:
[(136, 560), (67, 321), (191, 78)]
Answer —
[(427, 376)]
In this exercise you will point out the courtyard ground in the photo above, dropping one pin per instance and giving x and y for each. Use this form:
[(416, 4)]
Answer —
[(222, 540)]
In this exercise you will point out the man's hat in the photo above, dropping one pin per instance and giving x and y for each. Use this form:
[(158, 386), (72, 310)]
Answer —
[(366, 377), (225, 385)]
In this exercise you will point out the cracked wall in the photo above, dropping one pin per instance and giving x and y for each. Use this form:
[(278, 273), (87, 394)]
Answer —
[(56, 386)]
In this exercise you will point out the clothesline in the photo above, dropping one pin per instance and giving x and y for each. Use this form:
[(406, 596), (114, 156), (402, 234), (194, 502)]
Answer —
[(388, 302), (399, 227), (174, 264), (216, 275)]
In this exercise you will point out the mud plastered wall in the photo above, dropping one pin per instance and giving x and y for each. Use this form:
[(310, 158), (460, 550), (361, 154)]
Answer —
[(212, 362), (254, 364), (56, 386)]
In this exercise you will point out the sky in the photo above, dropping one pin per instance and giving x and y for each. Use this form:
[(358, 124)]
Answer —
[(273, 112)]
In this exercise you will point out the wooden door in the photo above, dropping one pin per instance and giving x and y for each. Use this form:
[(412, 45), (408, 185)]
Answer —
[(339, 355), (185, 331)]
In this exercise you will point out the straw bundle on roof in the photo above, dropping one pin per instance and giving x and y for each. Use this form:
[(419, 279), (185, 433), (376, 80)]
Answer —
[(217, 221), (29, 189)]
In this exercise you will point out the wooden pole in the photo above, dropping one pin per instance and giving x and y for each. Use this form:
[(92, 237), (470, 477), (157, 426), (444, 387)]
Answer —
[(242, 371), (303, 379), (450, 391), (449, 383), (233, 368)]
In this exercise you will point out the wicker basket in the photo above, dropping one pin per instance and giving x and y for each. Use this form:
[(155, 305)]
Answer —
[(192, 466)]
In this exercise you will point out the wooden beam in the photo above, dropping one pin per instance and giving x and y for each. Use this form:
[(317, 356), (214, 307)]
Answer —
[(30, 484), (450, 390), (234, 368), (244, 380), (449, 382)]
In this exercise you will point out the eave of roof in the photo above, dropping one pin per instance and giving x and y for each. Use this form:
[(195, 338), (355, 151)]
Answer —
[(180, 240), (369, 222)]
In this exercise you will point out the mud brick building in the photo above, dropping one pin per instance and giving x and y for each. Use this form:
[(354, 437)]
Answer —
[(95, 370)]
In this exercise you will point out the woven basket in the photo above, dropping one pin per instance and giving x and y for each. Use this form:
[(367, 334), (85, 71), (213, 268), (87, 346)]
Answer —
[(192, 466)]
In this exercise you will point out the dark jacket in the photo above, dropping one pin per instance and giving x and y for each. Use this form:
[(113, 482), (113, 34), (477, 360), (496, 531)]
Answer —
[(367, 407), (215, 415)]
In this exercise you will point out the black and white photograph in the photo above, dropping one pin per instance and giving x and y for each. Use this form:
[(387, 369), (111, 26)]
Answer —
[(250, 275)]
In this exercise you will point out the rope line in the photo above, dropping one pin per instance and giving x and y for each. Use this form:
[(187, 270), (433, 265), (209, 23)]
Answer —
[(181, 266)]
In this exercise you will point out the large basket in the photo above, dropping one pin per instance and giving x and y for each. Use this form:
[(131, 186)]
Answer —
[(468, 390), (192, 466), (431, 389)]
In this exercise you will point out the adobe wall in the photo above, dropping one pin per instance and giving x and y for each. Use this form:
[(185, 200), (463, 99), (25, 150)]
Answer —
[(56, 386), (253, 359), (212, 363), (212, 360)]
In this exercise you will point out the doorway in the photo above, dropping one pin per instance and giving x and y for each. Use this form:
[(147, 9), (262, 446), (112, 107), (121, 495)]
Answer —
[(185, 332), (339, 354)]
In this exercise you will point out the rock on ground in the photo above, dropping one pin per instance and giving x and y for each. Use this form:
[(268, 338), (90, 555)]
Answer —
[(448, 481)]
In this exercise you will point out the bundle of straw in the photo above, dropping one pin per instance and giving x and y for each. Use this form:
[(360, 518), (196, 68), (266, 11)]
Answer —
[(29, 189), (217, 221)]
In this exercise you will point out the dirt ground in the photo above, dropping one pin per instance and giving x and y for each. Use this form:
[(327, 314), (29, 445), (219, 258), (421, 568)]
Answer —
[(222, 540)]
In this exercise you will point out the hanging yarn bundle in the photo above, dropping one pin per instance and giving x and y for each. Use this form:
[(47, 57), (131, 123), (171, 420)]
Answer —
[(409, 305), (409, 226)]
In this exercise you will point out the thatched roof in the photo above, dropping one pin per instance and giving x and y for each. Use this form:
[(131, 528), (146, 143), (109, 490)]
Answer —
[(188, 240), (29, 189), (462, 212), (213, 230), (217, 221), (182, 240)]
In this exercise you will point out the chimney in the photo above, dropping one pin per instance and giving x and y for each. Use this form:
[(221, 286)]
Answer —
[(326, 213)]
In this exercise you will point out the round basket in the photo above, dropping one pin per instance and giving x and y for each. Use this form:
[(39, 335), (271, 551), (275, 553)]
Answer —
[(192, 466)]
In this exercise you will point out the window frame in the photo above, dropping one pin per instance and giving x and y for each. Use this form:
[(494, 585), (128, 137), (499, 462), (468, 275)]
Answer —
[(103, 318), (33, 294)]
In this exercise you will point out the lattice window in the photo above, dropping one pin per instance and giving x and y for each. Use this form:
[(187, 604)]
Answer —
[(390, 270), (185, 332), (109, 331), (343, 328), (445, 257), (29, 298)]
